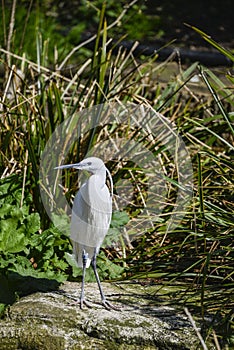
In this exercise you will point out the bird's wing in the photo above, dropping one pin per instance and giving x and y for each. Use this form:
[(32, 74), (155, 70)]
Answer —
[(91, 214)]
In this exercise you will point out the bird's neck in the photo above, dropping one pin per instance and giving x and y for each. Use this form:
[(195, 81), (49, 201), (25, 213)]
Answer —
[(100, 175)]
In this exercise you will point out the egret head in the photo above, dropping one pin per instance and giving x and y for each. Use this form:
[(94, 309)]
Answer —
[(92, 164)]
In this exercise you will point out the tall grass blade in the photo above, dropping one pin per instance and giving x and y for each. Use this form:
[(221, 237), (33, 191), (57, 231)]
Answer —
[(200, 187), (212, 42), (217, 100)]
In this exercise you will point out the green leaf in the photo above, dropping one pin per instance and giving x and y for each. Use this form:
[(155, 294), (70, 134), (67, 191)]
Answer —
[(108, 269), (33, 223), (12, 240), (76, 271), (119, 218), (7, 260), (58, 263), (62, 223), (5, 210), (48, 253), (112, 236)]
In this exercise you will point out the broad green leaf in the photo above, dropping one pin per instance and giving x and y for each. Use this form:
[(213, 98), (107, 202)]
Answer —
[(58, 263), (76, 271), (32, 223), (119, 218), (5, 210), (112, 236), (11, 239), (62, 223)]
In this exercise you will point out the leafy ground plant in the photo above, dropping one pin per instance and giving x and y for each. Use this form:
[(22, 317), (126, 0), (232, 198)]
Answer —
[(24, 249)]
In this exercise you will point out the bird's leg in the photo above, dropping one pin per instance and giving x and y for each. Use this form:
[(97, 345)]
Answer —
[(82, 298), (106, 303)]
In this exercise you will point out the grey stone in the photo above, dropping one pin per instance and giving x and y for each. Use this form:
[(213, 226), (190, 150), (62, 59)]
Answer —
[(54, 321)]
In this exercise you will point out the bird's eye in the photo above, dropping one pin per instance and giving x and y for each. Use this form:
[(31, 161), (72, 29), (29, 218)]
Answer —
[(89, 163)]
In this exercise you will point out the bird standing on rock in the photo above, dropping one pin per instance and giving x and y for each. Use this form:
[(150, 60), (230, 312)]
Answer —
[(91, 217)]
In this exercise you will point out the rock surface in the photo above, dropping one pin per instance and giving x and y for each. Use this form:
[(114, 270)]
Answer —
[(54, 321)]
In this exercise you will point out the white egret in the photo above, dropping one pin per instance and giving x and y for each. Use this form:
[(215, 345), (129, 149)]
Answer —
[(91, 216)]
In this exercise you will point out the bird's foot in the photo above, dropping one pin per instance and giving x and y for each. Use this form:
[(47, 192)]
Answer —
[(84, 302), (110, 306)]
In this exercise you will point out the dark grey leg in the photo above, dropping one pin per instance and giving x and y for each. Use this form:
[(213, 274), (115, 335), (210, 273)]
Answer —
[(106, 303), (82, 298)]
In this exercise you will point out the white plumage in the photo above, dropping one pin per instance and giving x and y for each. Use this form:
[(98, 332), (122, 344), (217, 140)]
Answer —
[(91, 212), (91, 217)]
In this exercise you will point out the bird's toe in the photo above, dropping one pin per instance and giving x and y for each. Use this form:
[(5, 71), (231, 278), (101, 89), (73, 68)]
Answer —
[(110, 306), (84, 302)]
